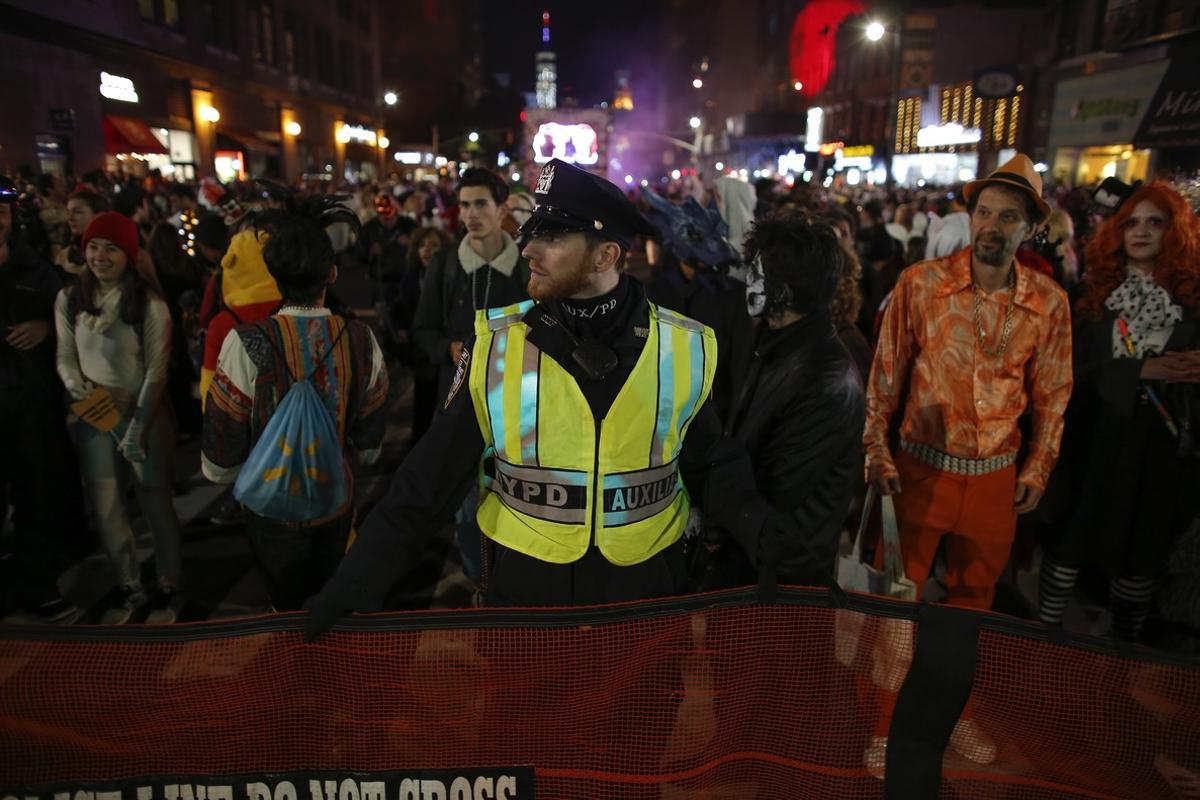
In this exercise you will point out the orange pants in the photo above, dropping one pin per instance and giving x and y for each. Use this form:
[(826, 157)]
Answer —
[(976, 517), (973, 513)]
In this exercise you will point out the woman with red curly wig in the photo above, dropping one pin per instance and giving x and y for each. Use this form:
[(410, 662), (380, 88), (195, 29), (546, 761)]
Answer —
[(1133, 418)]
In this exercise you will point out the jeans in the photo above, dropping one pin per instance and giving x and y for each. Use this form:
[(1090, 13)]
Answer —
[(296, 561)]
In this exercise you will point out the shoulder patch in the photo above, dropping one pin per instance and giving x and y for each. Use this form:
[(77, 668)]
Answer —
[(460, 377)]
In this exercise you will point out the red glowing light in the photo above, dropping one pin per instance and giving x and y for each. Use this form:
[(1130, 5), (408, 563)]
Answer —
[(814, 40)]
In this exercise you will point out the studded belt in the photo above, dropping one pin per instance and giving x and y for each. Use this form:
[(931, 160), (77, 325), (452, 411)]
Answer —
[(960, 466)]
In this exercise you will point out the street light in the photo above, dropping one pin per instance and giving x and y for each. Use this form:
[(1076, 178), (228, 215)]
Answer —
[(875, 31), (798, 85), (390, 98), (694, 122), (210, 114), (292, 128), (384, 142), (473, 136), (697, 83)]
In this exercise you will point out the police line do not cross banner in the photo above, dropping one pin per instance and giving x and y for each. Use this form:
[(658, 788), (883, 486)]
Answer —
[(499, 783)]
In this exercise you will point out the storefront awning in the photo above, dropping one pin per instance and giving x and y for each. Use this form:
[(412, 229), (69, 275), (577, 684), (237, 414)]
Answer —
[(1173, 117), (228, 139), (129, 135)]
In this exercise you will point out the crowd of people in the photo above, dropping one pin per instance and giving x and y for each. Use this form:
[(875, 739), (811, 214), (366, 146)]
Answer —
[(1015, 368)]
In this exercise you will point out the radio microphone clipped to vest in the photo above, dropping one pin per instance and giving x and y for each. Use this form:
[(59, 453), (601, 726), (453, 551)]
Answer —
[(597, 360)]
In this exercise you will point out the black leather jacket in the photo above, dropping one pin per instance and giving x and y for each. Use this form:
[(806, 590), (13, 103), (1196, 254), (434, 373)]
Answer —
[(800, 415)]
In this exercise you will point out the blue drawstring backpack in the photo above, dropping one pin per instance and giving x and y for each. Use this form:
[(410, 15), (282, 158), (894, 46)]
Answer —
[(294, 473)]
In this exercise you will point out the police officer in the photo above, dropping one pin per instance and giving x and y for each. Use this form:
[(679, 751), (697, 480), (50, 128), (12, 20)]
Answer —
[(583, 414), (36, 470)]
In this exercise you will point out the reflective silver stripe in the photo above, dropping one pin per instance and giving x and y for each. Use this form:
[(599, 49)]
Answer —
[(935, 458), (665, 407), (504, 322), (566, 477), (634, 496), (504, 316), (639, 476), (547, 494), (529, 402), (567, 516), (678, 319), (495, 388)]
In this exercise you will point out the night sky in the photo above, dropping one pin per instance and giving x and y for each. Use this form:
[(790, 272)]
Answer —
[(591, 40)]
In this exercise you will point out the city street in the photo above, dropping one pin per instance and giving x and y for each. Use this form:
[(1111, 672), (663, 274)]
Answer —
[(219, 578)]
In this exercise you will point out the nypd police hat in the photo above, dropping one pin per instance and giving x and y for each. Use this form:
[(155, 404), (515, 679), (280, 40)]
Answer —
[(570, 199)]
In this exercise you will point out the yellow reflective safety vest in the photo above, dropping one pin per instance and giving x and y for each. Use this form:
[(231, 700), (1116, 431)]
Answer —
[(553, 478)]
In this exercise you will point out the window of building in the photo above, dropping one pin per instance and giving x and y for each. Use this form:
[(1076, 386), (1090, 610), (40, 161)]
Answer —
[(346, 10), (1127, 21), (262, 32), (160, 12), (365, 84), (346, 64), (908, 122), (219, 29), (289, 42), (267, 29), (325, 72)]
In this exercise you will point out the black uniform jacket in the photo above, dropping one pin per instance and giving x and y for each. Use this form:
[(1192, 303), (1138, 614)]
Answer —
[(431, 483), (28, 287)]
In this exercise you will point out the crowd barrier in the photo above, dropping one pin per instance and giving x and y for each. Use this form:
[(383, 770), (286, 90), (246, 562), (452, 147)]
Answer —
[(708, 696)]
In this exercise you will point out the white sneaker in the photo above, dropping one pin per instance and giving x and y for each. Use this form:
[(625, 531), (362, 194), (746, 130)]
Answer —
[(165, 604), (972, 743), (128, 599), (1183, 781), (875, 756)]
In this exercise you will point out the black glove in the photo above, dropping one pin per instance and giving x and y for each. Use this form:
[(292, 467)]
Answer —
[(323, 612)]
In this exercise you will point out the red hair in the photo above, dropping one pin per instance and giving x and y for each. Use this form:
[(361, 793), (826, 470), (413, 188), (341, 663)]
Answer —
[(1177, 268)]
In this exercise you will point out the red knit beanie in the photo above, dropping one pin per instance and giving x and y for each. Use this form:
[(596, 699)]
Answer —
[(118, 229)]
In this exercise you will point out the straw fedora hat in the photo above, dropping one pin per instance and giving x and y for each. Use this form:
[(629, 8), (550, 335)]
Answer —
[(1019, 173)]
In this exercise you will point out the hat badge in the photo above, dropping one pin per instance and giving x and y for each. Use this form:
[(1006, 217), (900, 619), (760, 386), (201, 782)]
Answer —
[(544, 181)]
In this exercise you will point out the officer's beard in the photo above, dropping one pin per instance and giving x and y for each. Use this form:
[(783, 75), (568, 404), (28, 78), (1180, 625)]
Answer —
[(543, 288)]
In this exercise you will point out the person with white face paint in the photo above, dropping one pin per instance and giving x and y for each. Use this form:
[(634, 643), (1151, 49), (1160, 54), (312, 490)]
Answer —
[(800, 409)]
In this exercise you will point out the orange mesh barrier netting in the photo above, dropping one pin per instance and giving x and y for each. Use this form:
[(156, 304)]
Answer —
[(703, 697)]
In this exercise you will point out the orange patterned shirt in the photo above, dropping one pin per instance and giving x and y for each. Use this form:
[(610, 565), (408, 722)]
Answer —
[(959, 399)]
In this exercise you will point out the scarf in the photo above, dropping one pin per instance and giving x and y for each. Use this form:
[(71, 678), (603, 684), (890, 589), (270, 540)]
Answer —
[(108, 307), (1147, 309), (504, 263)]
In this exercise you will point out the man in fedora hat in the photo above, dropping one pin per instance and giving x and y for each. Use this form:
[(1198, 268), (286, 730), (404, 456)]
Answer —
[(978, 340)]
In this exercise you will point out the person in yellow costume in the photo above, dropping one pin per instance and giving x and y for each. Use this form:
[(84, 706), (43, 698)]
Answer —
[(584, 416), (248, 293)]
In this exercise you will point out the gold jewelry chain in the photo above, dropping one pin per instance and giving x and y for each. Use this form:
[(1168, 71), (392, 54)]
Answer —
[(1006, 331)]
